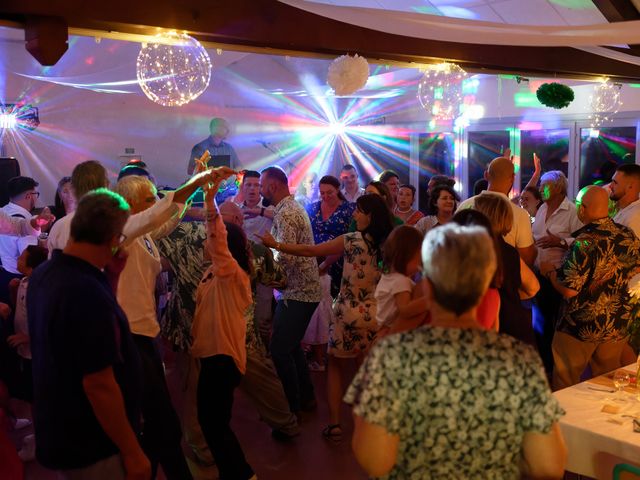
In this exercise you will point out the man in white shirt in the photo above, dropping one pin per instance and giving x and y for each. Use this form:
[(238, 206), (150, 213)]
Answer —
[(91, 175), (23, 194), (257, 221), (500, 175), (161, 433), (22, 200), (624, 190), (257, 217), (556, 220), (351, 188)]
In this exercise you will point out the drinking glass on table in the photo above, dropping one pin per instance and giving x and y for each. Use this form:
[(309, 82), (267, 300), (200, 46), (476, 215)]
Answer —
[(620, 380)]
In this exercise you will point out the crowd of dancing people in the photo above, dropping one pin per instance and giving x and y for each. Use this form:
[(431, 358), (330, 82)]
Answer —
[(458, 320)]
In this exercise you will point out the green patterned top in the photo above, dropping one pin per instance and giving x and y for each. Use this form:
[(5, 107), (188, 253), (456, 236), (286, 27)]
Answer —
[(599, 265)]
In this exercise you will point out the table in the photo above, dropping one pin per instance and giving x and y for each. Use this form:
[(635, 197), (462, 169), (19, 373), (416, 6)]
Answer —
[(595, 440)]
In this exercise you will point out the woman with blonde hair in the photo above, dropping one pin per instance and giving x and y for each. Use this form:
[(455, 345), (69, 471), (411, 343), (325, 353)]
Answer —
[(518, 281)]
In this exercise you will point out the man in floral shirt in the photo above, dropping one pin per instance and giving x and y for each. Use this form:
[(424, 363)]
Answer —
[(594, 281), (301, 297)]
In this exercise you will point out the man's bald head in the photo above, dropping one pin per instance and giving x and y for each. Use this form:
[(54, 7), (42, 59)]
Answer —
[(500, 174), (592, 203), (232, 213)]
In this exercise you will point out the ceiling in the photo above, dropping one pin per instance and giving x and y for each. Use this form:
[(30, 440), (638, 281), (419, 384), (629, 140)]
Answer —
[(269, 26), (518, 12)]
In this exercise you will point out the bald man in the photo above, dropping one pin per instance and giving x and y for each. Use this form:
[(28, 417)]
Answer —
[(594, 282), (500, 175)]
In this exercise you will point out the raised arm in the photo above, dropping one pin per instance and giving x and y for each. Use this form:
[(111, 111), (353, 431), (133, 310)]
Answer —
[(537, 172), (332, 247), (222, 261)]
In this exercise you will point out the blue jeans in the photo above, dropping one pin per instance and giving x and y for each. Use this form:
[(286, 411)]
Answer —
[(290, 322)]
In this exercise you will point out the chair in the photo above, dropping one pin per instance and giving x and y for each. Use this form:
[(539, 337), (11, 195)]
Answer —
[(624, 467)]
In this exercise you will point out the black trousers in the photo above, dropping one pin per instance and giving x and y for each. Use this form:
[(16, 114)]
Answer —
[(218, 379), (161, 434), (545, 315)]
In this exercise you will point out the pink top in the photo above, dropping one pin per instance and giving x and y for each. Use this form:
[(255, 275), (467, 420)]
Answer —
[(488, 309), (223, 300)]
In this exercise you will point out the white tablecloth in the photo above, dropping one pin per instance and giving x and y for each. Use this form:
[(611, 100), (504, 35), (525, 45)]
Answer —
[(595, 440)]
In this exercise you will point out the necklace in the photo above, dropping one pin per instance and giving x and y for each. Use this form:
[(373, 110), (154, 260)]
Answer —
[(397, 210)]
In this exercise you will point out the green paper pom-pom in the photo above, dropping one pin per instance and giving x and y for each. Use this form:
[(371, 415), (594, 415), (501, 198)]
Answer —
[(555, 95)]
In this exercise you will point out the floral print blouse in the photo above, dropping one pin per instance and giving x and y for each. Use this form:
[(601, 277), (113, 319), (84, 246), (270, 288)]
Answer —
[(599, 265), (460, 400)]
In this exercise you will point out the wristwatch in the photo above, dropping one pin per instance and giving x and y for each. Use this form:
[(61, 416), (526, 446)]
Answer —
[(563, 243)]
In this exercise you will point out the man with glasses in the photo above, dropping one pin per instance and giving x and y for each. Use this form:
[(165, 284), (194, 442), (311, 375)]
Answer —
[(23, 195)]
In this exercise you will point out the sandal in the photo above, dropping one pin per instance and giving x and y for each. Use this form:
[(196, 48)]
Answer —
[(333, 432)]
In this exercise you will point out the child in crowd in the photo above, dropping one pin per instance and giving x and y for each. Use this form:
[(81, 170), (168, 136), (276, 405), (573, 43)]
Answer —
[(399, 307), (28, 260)]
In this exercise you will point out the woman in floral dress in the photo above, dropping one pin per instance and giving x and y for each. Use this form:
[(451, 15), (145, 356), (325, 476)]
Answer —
[(354, 326), (451, 399)]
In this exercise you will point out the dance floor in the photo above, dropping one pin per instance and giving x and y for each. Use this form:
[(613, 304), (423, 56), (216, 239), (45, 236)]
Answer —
[(308, 456)]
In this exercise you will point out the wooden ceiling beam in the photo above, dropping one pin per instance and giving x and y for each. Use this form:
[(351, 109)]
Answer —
[(268, 24)]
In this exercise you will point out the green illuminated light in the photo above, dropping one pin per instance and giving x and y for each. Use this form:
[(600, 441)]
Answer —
[(526, 100)]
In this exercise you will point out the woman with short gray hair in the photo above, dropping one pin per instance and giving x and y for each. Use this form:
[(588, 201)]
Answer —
[(451, 400)]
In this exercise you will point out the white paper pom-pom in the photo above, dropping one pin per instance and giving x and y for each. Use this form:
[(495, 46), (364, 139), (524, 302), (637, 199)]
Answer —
[(348, 74), (634, 287)]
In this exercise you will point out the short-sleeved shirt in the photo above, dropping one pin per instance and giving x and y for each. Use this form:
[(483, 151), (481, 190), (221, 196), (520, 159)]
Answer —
[(291, 225), (629, 216), (76, 328), (602, 259), (389, 285), (11, 246), (561, 223), (461, 401), (520, 235)]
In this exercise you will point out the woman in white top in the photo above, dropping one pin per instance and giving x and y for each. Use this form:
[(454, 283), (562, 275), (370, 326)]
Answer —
[(444, 201)]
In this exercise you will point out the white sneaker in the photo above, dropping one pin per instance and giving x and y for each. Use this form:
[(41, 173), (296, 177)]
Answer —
[(21, 423), (28, 451)]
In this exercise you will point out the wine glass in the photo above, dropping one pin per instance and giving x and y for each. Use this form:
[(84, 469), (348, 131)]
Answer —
[(620, 380)]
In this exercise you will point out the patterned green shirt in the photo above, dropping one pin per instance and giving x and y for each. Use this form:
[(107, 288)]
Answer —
[(461, 401), (184, 251), (602, 259)]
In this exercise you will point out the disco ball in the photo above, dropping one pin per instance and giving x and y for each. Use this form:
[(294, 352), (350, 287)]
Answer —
[(173, 69), (440, 90)]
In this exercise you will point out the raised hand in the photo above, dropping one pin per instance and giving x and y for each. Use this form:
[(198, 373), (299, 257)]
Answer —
[(537, 163), (201, 163), (43, 220)]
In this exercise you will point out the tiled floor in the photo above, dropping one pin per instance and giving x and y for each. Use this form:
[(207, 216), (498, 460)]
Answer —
[(309, 456)]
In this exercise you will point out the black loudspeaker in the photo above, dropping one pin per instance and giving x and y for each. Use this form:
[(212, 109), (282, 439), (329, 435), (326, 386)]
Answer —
[(9, 168)]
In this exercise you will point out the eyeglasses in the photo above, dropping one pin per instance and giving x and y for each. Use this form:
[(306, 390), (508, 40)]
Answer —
[(30, 194)]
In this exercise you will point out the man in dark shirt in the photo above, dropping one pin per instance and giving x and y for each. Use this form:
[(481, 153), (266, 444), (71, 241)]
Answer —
[(216, 146), (86, 371)]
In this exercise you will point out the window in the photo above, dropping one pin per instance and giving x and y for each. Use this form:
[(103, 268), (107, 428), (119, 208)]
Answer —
[(552, 146), (436, 156), (602, 150), (484, 146)]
